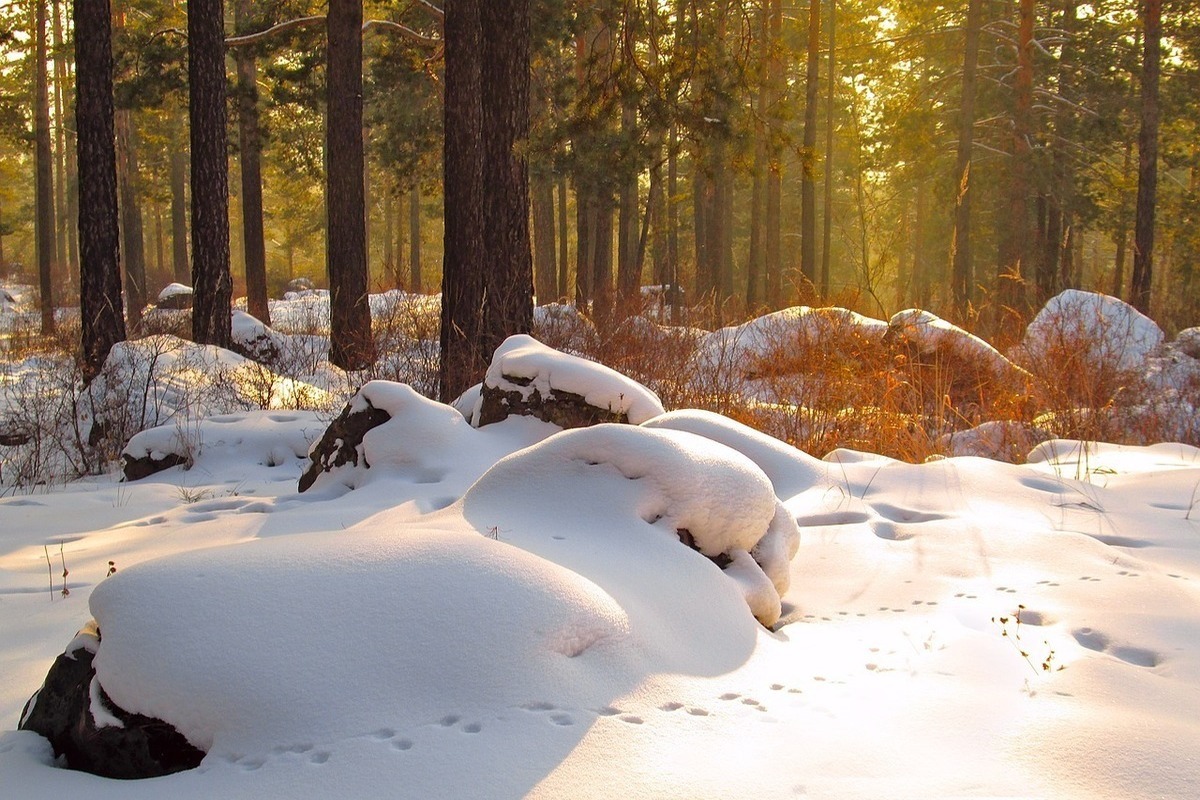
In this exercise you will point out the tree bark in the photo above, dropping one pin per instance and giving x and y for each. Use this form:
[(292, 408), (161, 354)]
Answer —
[(1143, 234), (545, 266), (962, 276), (43, 173), (414, 238), (350, 343), (772, 216), (179, 243), (250, 149), (463, 360), (103, 323), (628, 278), (211, 282), (65, 260), (563, 254), (831, 83), (808, 188), (133, 241), (1018, 236)]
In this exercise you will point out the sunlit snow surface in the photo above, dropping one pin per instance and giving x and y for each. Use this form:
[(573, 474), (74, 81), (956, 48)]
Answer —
[(541, 633)]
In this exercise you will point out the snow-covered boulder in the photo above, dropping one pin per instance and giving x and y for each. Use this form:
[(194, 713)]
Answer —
[(93, 734), (1000, 440), (1188, 342), (527, 378), (1089, 331), (341, 444), (931, 338), (175, 296), (683, 486)]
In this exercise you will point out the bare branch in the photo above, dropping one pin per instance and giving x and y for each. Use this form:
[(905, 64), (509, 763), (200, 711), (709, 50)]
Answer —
[(304, 22)]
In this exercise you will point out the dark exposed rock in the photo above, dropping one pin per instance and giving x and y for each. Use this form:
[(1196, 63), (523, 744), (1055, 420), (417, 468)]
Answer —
[(135, 468), (13, 436), (123, 744), (564, 409), (340, 442)]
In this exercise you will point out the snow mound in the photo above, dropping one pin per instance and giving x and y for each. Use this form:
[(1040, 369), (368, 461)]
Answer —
[(707, 495), (1101, 330), (929, 333), (526, 368), (1002, 440), (335, 635), (749, 346)]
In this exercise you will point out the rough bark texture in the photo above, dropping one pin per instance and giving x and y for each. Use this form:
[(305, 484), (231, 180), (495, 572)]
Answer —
[(210, 173), (43, 172), (545, 267), (61, 711), (103, 323), (414, 238), (1018, 236), (133, 242), (350, 343), (831, 83), (508, 264), (962, 276), (808, 185), (1143, 234), (250, 151), (464, 359), (179, 244)]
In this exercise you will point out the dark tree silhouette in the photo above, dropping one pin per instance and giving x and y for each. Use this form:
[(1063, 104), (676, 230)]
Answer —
[(350, 343), (1143, 231), (211, 281), (100, 267), (43, 173), (250, 153)]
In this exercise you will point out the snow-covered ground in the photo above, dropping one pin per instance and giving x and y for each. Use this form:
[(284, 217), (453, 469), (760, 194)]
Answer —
[(510, 610), (467, 623)]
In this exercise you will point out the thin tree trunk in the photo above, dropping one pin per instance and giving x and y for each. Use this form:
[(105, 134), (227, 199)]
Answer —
[(562, 238), (627, 218), (584, 217), (808, 189), (63, 261), (920, 271), (179, 243), (545, 266), (43, 173), (1122, 235), (133, 242), (250, 149), (160, 245), (772, 220), (831, 83), (1018, 237), (962, 276), (414, 238), (1143, 237), (389, 238), (754, 256), (212, 284), (350, 343), (103, 323)]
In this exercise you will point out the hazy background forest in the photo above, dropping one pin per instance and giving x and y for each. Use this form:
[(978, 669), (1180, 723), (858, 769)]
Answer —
[(763, 153)]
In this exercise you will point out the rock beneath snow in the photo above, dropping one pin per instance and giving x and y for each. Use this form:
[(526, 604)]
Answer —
[(13, 435), (134, 468), (342, 442), (175, 296), (999, 440), (1089, 331), (527, 378), (298, 285), (90, 732), (1188, 342), (254, 340)]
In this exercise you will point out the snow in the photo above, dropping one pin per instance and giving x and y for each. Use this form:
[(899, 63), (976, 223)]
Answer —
[(1108, 332), (547, 370), (509, 611), (172, 290)]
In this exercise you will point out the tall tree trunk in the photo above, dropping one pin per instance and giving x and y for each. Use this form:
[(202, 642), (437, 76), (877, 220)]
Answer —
[(920, 265), (754, 256), (43, 172), (831, 92), (63, 260), (962, 277), (160, 244), (601, 233), (414, 237), (1143, 236), (132, 233), (103, 323), (702, 191), (772, 219), (350, 343), (562, 238), (250, 150), (584, 221), (1122, 234), (68, 177), (463, 359), (627, 217), (389, 238), (1018, 237), (808, 187), (213, 287), (179, 243), (545, 266)]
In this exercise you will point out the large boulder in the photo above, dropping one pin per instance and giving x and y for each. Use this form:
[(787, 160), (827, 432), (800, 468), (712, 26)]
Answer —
[(90, 732), (527, 378), (175, 296)]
